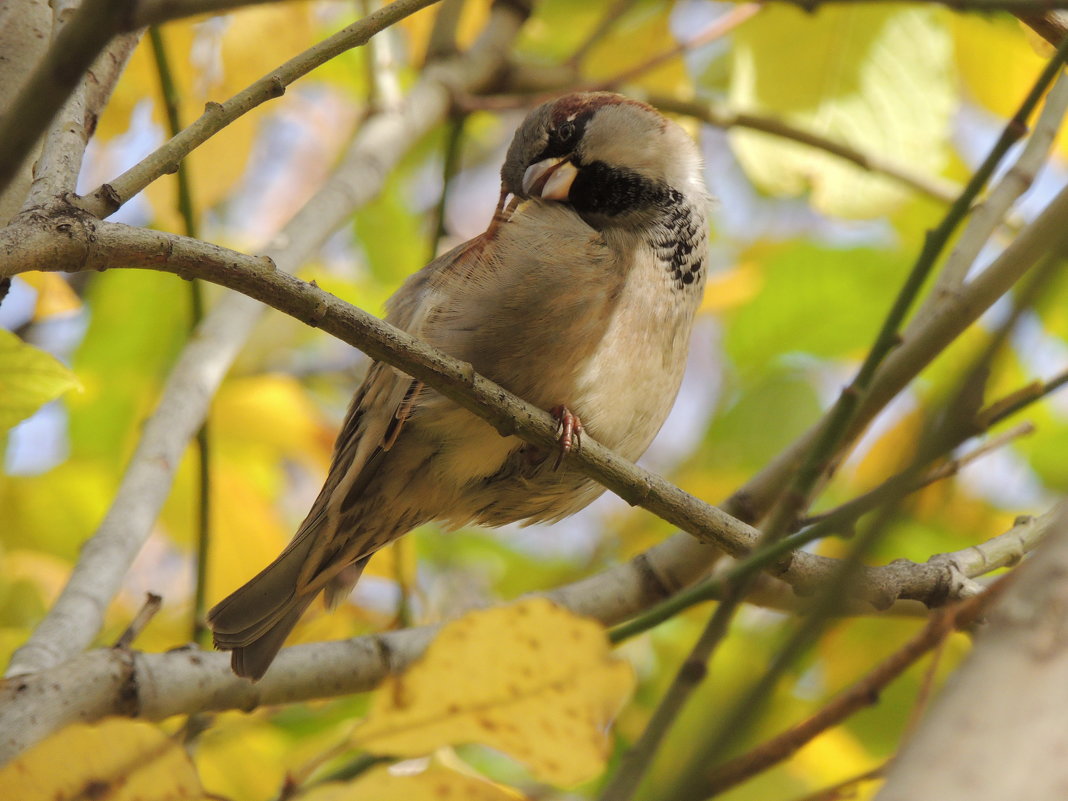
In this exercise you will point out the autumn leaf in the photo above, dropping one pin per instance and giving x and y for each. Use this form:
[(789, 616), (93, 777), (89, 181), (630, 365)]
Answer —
[(54, 295), (530, 679), (29, 378), (119, 760)]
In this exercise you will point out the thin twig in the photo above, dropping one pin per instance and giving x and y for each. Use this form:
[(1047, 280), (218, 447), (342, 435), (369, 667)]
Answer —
[(848, 512), (989, 214), (147, 611), (184, 203), (717, 29), (865, 692), (109, 197)]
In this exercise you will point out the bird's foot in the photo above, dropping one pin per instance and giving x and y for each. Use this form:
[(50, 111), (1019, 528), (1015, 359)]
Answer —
[(570, 428)]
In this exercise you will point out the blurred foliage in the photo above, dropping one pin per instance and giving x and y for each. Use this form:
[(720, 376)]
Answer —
[(808, 255)]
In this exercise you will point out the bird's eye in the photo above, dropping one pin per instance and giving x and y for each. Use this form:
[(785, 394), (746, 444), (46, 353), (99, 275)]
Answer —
[(565, 131)]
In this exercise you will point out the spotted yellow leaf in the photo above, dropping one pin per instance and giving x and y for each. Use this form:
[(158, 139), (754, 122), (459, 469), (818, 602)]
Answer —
[(530, 679), (119, 760)]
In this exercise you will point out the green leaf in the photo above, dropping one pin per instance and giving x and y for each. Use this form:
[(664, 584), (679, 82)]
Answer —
[(821, 301), (29, 378), (876, 78)]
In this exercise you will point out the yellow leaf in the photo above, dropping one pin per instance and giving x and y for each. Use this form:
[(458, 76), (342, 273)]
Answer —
[(241, 757), (876, 78), (530, 679), (54, 295), (272, 412), (433, 784), (832, 757), (997, 64), (29, 378), (637, 39), (119, 760)]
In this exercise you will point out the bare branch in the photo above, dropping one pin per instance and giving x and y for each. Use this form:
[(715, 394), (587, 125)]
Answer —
[(990, 213), (184, 681), (57, 168), (107, 198), (72, 52), (862, 693)]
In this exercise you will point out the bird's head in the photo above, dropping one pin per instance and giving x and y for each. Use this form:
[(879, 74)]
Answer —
[(615, 160)]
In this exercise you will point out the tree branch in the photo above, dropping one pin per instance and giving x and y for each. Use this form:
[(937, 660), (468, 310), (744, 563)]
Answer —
[(862, 693), (60, 162), (72, 51), (107, 681), (93, 244)]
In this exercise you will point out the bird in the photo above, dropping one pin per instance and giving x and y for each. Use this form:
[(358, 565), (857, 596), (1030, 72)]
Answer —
[(579, 297)]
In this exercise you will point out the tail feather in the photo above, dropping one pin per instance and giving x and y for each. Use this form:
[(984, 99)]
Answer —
[(252, 660), (254, 620)]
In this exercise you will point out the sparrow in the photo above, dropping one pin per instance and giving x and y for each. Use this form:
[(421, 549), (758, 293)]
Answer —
[(579, 297)]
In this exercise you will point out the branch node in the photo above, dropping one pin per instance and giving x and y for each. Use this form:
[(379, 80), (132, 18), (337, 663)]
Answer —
[(109, 196), (693, 671), (276, 87)]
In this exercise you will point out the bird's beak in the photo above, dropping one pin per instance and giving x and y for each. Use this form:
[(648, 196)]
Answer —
[(549, 179)]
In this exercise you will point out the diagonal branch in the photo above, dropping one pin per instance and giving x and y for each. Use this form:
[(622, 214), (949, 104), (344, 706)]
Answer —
[(93, 244)]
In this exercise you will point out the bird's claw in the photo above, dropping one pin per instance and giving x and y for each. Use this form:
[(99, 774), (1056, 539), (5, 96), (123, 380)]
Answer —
[(570, 428)]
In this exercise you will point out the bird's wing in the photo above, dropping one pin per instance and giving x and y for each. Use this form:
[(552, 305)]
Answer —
[(375, 419)]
